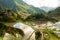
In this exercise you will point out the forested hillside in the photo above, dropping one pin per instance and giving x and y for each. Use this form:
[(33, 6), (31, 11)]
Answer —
[(18, 19), (55, 13), (18, 9)]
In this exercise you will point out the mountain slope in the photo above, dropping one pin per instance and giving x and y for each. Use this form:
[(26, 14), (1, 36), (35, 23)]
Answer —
[(20, 9), (12, 5), (8, 4), (47, 9), (7, 15), (55, 13)]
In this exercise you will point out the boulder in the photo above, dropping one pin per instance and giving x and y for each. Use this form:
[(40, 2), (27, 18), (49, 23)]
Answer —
[(28, 31)]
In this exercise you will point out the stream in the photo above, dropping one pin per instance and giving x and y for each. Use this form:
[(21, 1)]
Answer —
[(50, 24)]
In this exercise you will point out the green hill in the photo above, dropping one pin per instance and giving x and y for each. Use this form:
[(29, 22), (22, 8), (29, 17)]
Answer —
[(18, 5), (18, 9), (55, 13)]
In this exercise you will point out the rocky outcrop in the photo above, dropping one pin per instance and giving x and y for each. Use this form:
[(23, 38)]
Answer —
[(28, 31)]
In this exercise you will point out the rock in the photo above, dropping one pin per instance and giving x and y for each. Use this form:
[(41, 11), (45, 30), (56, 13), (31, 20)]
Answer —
[(6, 36), (28, 31)]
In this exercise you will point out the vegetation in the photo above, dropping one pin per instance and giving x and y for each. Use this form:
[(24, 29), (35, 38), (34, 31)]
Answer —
[(20, 10), (11, 30), (46, 34), (7, 15), (41, 34), (14, 10), (55, 13)]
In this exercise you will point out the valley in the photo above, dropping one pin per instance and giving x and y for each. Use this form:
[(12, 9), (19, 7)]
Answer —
[(20, 21)]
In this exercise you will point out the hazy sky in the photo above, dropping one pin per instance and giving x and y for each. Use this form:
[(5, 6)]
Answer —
[(41, 3)]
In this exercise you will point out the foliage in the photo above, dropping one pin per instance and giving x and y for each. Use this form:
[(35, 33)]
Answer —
[(11, 10), (7, 15), (46, 34), (41, 17), (11, 30), (13, 38), (23, 11), (55, 13)]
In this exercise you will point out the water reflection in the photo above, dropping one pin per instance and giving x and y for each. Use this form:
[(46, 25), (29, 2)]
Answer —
[(18, 25), (58, 25)]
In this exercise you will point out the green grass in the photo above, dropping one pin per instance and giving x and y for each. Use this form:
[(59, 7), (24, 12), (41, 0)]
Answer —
[(1, 38), (51, 34)]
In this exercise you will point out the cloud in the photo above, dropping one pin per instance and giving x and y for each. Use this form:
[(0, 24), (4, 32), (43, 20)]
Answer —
[(41, 3)]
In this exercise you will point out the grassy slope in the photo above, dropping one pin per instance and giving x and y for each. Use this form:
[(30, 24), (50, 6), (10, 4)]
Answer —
[(51, 34)]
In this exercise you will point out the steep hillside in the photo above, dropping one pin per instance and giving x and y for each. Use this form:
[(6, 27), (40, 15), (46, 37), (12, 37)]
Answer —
[(8, 4), (21, 5), (47, 9), (55, 13), (21, 10), (7, 15)]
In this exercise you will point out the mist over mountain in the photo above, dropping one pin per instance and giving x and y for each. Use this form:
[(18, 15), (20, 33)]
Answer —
[(47, 9)]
